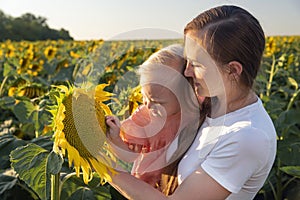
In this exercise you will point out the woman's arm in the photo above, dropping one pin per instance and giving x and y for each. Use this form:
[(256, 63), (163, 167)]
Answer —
[(199, 186), (134, 188)]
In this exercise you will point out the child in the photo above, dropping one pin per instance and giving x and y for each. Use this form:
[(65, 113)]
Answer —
[(151, 132)]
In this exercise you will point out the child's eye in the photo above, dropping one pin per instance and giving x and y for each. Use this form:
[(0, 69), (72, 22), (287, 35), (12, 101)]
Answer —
[(190, 63)]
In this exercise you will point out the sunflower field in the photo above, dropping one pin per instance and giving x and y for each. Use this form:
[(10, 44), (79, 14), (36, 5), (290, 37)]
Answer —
[(37, 78)]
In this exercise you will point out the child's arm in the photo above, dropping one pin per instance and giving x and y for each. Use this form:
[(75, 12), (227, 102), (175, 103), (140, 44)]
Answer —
[(126, 152)]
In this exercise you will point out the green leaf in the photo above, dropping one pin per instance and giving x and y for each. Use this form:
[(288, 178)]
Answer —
[(64, 74), (291, 170), (43, 141), (86, 193), (8, 70), (102, 192), (6, 183), (288, 151), (7, 102), (54, 163), (286, 119), (7, 144), (40, 117), (71, 184), (83, 193), (30, 163), (23, 111)]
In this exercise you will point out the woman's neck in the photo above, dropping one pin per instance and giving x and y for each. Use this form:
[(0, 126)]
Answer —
[(227, 104)]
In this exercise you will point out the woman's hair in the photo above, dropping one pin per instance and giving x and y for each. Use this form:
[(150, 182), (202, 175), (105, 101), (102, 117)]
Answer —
[(230, 33)]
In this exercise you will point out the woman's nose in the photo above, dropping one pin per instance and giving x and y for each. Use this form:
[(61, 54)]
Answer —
[(188, 70)]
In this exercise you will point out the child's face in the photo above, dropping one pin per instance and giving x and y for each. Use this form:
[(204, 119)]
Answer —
[(160, 100)]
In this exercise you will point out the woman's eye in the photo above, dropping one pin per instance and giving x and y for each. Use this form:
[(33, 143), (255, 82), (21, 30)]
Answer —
[(197, 65), (194, 64)]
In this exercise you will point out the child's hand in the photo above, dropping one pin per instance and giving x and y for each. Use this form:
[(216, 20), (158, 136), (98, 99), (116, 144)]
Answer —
[(113, 124), (114, 134), (137, 148)]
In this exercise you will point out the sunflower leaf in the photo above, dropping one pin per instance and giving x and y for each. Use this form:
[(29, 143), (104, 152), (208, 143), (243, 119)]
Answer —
[(30, 162), (7, 183), (82, 193), (73, 187), (54, 163), (23, 111), (291, 170), (8, 143)]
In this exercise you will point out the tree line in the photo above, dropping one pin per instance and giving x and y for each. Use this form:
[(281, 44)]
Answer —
[(29, 27)]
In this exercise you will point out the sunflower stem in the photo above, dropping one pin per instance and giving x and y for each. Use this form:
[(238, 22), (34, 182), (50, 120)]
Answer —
[(2, 85), (272, 73), (55, 194)]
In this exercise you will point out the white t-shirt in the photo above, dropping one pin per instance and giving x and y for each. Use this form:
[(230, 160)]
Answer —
[(237, 150)]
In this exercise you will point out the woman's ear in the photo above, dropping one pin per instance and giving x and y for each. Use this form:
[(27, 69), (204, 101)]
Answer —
[(235, 68)]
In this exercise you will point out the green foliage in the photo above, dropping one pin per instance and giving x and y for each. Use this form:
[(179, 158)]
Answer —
[(28, 69), (278, 87), (29, 27), (7, 144), (292, 170), (30, 163), (74, 188)]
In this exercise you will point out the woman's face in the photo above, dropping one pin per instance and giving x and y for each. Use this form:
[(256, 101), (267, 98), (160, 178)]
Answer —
[(160, 100), (207, 77)]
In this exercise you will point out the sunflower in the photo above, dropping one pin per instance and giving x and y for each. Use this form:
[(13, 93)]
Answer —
[(10, 53), (271, 47), (50, 52), (79, 125), (35, 68), (135, 99), (74, 54)]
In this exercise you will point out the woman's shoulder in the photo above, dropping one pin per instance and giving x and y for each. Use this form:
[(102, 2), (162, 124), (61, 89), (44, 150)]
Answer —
[(256, 131), (251, 120), (249, 141)]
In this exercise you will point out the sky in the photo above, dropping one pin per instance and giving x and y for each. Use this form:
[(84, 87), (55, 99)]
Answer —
[(141, 19)]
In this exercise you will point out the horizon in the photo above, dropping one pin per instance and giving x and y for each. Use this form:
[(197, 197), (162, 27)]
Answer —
[(135, 20)]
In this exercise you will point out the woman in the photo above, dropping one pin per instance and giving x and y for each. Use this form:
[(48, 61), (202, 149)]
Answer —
[(235, 148)]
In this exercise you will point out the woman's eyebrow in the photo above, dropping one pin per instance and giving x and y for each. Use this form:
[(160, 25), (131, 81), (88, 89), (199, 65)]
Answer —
[(194, 62)]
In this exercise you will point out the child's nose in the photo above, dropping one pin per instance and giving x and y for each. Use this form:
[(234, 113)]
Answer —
[(148, 104)]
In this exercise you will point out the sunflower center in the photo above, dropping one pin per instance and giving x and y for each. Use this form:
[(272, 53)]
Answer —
[(70, 131)]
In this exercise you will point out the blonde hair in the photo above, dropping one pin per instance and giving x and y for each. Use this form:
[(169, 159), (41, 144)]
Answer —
[(165, 67), (167, 55)]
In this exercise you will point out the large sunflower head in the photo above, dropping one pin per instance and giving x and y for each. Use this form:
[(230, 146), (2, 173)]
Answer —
[(79, 125)]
